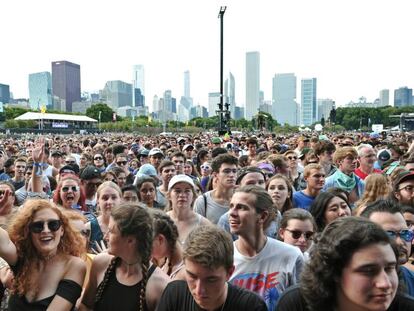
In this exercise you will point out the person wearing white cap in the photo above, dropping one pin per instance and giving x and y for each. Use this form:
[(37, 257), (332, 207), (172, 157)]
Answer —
[(156, 156), (181, 196), (188, 151)]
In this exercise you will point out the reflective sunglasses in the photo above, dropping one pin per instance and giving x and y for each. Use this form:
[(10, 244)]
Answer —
[(98, 158), (38, 226), (296, 234), (73, 188), (406, 235)]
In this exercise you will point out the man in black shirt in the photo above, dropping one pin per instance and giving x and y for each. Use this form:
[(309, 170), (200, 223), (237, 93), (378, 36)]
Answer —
[(208, 258)]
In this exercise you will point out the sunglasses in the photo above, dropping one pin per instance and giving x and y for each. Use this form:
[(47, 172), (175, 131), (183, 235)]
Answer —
[(122, 162), (205, 167), (292, 158), (296, 234), (73, 188), (406, 235), (98, 158), (70, 162), (86, 233), (38, 226)]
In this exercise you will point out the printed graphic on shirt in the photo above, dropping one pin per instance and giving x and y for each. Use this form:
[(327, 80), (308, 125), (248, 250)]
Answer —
[(265, 285)]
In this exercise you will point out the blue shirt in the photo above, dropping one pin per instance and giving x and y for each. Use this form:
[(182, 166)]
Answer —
[(302, 200), (408, 278)]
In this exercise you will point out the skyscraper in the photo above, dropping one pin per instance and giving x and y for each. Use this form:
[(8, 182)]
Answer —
[(40, 90), (213, 100), (230, 93), (384, 99), (138, 82), (66, 82), (4, 93), (117, 94), (324, 108), (403, 97), (309, 108), (284, 106), (252, 84), (187, 84)]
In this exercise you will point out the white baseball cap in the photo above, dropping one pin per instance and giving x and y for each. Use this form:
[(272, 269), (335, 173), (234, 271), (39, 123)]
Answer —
[(180, 178)]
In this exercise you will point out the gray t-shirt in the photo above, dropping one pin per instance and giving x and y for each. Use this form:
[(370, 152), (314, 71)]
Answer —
[(212, 210)]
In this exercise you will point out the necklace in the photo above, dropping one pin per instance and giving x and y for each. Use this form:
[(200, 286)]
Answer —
[(49, 257)]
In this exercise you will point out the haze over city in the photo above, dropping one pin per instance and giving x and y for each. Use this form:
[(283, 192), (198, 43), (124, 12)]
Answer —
[(354, 48)]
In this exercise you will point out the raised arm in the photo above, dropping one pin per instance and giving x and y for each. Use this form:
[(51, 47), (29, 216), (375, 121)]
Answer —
[(7, 248), (37, 155)]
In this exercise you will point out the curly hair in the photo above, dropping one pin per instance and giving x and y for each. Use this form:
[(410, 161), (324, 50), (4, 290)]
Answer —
[(82, 199), (28, 257), (132, 220), (332, 253)]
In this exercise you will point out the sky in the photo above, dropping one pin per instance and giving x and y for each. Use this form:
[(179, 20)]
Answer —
[(354, 48)]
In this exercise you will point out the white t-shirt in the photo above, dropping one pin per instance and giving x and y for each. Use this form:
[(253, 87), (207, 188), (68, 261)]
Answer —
[(269, 273)]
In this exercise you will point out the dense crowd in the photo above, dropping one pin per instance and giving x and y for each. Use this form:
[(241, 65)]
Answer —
[(200, 222)]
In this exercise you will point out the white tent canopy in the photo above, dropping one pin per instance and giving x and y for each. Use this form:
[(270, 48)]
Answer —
[(54, 116)]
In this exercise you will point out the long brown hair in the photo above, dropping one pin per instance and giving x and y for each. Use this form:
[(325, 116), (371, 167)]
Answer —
[(132, 220), (28, 257)]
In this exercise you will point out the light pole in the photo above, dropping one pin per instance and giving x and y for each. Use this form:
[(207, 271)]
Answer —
[(99, 123), (224, 115)]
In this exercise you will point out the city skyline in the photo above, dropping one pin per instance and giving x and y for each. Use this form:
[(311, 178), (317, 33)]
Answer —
[(348, 46)]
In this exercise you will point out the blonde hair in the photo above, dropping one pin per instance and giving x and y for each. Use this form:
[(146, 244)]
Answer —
[(376, 187), (343, 152)]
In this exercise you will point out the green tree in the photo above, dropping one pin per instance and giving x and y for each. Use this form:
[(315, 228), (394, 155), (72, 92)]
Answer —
[(106, 112), (14, 112)]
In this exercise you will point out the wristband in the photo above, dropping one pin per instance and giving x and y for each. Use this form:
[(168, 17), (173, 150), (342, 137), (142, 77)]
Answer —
[(38, 166)]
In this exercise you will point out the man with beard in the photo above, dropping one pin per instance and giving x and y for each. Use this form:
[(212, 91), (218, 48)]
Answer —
[(388, 215), (346, 158), (366, 159), (403, 188), (215, 203), (166, 171)]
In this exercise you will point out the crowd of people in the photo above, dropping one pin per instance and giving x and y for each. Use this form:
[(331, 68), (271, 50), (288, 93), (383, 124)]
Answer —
[(200, 222)]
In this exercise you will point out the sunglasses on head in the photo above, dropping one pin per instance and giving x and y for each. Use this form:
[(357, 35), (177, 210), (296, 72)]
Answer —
[(73, 188), (38, 226), (296, 234)]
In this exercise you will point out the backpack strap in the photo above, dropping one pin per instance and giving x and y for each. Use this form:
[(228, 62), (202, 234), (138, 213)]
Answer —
[(205, 205)]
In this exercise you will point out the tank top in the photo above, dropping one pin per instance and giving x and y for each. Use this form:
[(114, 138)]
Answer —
[(117, 296)]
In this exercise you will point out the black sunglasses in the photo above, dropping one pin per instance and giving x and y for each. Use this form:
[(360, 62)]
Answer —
[(70, 162), (38, 226), (122, 162), (98, 158), (86, 233), (73, 188), (296, 234)]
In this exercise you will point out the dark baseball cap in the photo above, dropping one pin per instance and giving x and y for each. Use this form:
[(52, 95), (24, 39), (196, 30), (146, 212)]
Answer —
[(70, 169), (90, 172), (401, 177)]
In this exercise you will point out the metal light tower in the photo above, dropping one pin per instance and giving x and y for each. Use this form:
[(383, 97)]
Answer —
[(223, 113)]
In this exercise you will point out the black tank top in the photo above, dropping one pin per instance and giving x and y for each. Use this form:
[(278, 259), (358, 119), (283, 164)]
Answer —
[(117, 296)]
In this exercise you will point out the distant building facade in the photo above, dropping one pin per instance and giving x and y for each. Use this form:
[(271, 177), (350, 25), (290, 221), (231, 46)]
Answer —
[(213, 101), (309, 108), (384, 98), (40, 90), (66, 82), (284, 106), (403, 96), (4, 93), (325, 105), (117, 94), (252, 84)]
